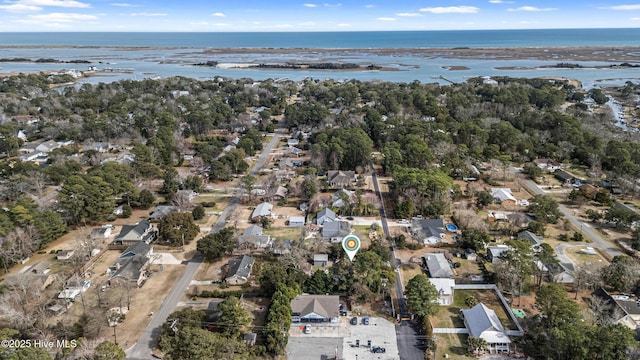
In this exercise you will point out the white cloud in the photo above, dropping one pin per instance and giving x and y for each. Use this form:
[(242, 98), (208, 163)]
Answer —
[(307, 23), (531, 9), (55, 3), (408, 14), (218, 14), (451, 10), (500, 2), (386, 19), (332, 5), (526, 22), (635, 19), (149, 14), (369, 6), (124, 5), (20, 8), (310, 5), (344, 25), (623, 7), (50, 18)]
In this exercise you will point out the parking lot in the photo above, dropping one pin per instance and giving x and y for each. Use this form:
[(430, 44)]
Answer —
[(322, 342)]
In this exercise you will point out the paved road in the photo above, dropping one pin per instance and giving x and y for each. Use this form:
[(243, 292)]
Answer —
[(588, 231), (147, 341), (408, 336)]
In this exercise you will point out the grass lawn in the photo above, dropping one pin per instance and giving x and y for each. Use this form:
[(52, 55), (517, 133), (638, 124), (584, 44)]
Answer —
[(448, 317), (454, 345), (408, 271), (293, 233), (490, 299)]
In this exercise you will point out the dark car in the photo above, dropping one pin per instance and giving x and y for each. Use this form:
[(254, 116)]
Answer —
[(349, 217), (354, 321), (378, 350), (365, 321)]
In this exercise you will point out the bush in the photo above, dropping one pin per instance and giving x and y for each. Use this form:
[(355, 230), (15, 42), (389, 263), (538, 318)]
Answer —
[(208, 204), (198, 212), (414, 246), (220, 294)]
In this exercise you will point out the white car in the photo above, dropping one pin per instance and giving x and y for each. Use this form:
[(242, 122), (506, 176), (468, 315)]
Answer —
[(307, 329), (523, 202)]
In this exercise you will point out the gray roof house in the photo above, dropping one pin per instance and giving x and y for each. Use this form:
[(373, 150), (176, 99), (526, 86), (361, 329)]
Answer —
[(101, 232), (429, 231), (338, 198), (320, 259), (296, 221), (622, 309), (253, 236), (483, 323), (263, 209), (335, 231), (437, 265), (307, 308), (325, 215), (131, 234), (161, 211), (445, 288), (339, 178), (239, 270), (534, 239), (494, 252), (132, 263), (47, 146)]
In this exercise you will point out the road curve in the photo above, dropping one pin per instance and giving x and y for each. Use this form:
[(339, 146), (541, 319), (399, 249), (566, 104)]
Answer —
[(147, 341), (588, 231)]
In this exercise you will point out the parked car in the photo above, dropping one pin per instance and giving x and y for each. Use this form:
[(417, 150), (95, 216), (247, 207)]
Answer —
[(307, 329), (354, 321), (349, 217), (365, 320), (378, 350)]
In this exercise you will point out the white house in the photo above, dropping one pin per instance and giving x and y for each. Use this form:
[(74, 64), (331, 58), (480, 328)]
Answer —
[(483, 323), (445, 289)]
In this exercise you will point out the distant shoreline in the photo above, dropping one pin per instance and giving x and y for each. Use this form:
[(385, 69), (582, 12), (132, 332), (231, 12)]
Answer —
[(560, 53)]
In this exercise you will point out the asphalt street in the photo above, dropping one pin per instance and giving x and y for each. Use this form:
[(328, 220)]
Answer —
[(408, 336), (147, 341)]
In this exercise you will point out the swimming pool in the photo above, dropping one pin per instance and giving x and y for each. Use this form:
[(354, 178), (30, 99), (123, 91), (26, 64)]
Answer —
[(452, 227)]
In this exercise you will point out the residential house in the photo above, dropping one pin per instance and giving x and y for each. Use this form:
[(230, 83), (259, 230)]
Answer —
[(28, 280), (64, 255), (483, 323), (132, 234), (320, 259), (567, 178), (325, 215), (296, 221), (503, 196), (74, 289), (282, 247), (281, 193), (342, 198), (101, 147), (131, 265), (622, 309), (293, 142), (189, 194), (263, 209), (253, 237), (102, 232), (494, 252), (239, 270), (445, 288), (40, 268), (547, 165), (285, 164), (335, 231), (428, 231), (160, 211), (341, 179), (47, 146), (535, 240), (319, 309), (437, 265), (29, 148), (212, 311), (283, 175), (562, 273)]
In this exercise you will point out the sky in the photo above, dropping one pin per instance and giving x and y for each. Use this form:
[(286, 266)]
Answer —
[(309, 15)]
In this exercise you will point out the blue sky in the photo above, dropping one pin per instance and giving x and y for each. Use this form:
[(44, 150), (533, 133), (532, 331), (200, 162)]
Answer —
[(308, 15)]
